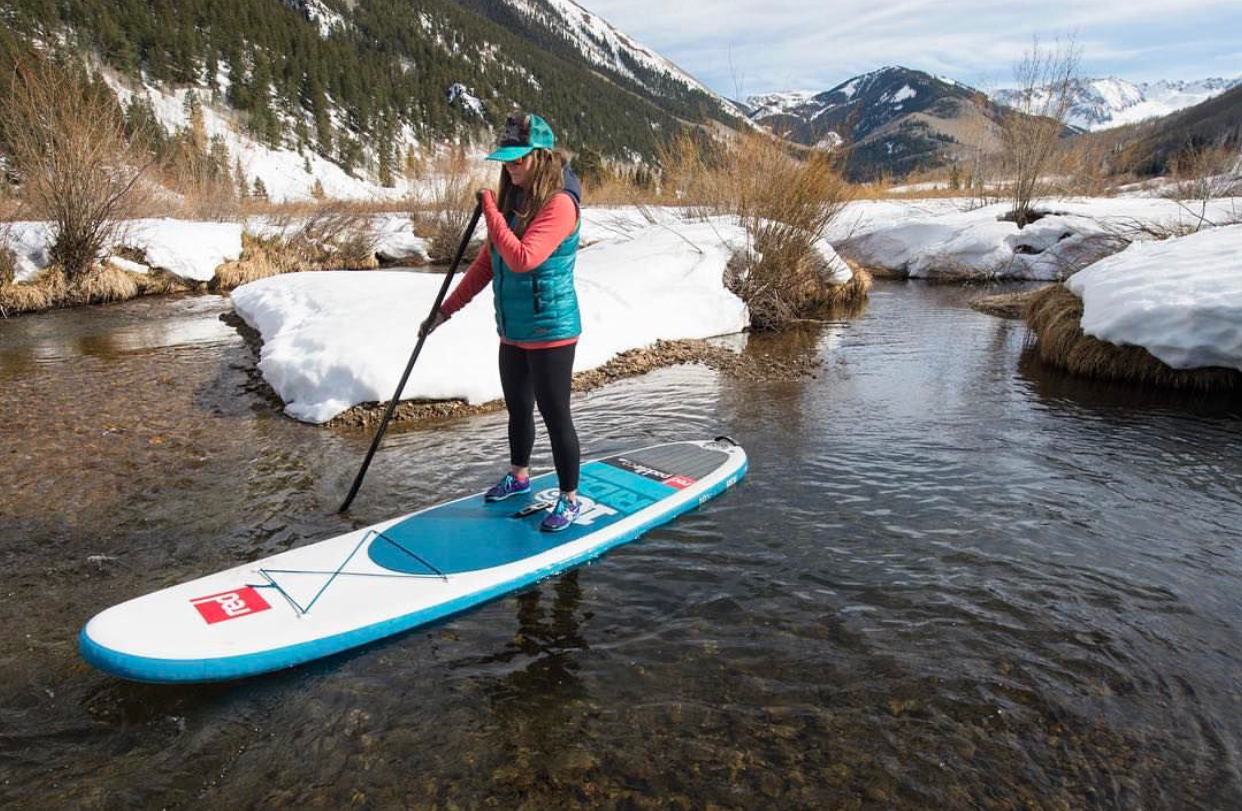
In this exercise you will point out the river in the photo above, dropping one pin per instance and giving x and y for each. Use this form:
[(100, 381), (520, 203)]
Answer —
[(952, 579)]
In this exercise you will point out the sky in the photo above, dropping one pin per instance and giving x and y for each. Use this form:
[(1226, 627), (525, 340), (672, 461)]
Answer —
[(740, 48)]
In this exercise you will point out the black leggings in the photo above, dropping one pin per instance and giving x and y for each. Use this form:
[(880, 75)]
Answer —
[(530, 376)]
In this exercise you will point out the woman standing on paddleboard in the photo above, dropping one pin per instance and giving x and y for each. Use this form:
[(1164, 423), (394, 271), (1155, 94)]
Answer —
[(528, 258)]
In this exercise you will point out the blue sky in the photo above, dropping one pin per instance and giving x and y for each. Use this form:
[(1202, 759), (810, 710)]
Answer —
[(741, 48)]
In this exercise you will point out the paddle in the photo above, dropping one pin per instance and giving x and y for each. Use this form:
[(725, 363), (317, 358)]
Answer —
[(418, 347)]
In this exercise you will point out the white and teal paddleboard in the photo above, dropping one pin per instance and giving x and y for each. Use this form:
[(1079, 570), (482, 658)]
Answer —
[(321, 599)]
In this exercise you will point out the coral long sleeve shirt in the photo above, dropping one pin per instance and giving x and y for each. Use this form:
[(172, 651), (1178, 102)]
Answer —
[(551, 226)]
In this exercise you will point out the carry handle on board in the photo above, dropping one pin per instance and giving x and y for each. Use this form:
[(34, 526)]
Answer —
[(418, 347)]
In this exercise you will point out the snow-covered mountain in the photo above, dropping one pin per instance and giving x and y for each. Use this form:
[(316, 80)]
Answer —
[(573, 32), (602, 43), (1111, 102), (894, 119)]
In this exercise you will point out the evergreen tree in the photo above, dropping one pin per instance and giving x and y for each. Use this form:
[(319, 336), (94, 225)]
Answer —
[(239, 177)]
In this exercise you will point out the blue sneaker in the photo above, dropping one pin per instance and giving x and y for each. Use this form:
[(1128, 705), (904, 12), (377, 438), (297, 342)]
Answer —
[(510, 485), (563, 514)]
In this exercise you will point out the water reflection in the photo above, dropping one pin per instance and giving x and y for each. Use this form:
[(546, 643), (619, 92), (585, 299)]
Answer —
[(548, 639), (1056, 386)]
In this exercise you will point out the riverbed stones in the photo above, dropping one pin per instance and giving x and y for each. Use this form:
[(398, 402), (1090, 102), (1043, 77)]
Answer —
[(631, 363)]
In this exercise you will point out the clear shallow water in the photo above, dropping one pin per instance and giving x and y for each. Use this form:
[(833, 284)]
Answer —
[(952, 579)]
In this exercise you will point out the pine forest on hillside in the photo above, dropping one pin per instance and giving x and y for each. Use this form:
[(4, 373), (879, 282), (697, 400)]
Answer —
[(385, 66)]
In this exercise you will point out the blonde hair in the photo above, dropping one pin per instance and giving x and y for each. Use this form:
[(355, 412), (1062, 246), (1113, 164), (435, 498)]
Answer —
[(545, 177)]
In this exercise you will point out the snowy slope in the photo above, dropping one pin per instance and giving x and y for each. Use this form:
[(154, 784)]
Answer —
[(283, 171), (603, 44)]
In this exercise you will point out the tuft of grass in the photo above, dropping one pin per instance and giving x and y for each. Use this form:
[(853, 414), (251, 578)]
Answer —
[(102, 285), (261, 257), (319, 236), (1054, 315), (855, 290)]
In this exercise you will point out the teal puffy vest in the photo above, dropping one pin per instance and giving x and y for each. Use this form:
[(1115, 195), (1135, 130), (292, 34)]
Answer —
[(540, 305)]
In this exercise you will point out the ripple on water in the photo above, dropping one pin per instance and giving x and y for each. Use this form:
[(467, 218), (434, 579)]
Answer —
[(952, 579)]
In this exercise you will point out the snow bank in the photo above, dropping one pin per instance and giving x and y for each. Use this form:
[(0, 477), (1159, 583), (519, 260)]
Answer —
[(396, 241), (192, 250), (333, 340), (1180, 299), (937, 239)]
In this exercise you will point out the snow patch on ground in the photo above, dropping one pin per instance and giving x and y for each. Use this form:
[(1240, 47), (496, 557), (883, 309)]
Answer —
[(906, 92)]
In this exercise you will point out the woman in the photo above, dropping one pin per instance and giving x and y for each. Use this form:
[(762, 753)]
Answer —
[(529, 260)]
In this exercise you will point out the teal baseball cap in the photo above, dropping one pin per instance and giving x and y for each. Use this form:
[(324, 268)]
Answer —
[(521, 135)]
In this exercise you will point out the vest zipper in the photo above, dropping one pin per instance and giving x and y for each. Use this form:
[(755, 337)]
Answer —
[(535, 288)]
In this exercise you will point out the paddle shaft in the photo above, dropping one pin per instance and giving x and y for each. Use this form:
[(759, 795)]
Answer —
[(418, 347)]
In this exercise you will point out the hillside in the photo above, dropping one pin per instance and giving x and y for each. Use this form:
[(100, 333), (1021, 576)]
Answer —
[(892, 121), (359, 82), (1153, 148)]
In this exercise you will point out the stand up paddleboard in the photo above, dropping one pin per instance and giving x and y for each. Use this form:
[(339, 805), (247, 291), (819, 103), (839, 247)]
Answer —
[(368, 584)]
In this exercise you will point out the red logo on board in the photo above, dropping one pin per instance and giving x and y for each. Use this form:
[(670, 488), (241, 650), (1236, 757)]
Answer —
[(680, 482), (229, 605)]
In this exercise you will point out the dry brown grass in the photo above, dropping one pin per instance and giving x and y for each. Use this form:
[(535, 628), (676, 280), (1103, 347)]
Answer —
[(1005, 305), (1054, 315), (104, 284), (52, 289), (334, 235), (40, 294), (156, 282), (618, 191), (8, 261), (855, 290), (261, 257)]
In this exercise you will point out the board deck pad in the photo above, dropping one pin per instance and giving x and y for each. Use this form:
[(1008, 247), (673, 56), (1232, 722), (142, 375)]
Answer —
[(326, 597)]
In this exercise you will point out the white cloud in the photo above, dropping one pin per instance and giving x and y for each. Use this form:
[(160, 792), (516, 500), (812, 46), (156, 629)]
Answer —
[(734, 45)]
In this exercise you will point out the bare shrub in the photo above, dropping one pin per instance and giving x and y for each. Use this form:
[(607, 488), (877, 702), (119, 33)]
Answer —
[(1030, 132), (338, 235), (622, 188), (1054, 315), (1202, 174), (785, 203), (443, 218), (77, 167), (201, 168), (689, 165)]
